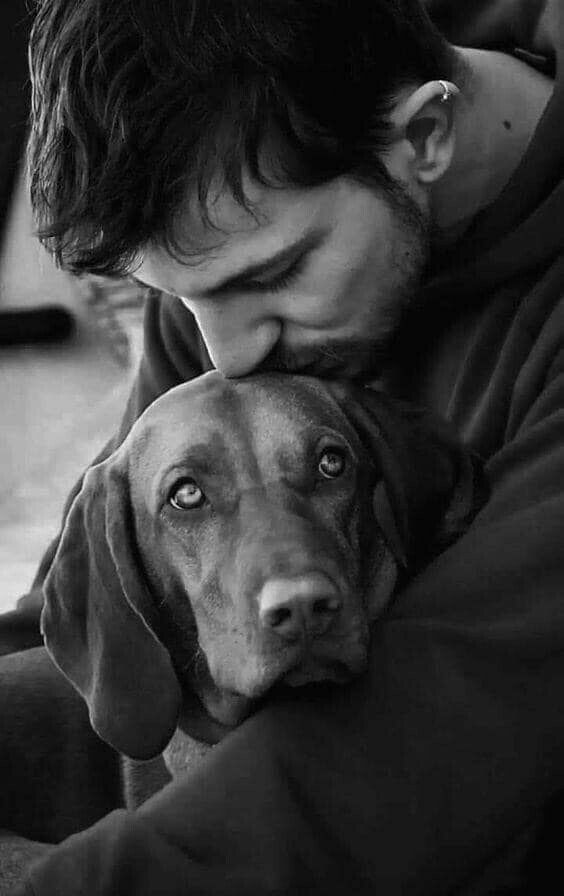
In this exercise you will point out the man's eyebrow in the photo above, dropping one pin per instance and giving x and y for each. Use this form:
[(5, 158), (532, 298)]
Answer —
[(288, 254)]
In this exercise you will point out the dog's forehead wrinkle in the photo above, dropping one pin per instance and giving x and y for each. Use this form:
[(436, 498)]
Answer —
[(293, 408), (280, 433), (208, 453), (136, 448), (258, 415), (218, 418), (192, 402), (200, 387)]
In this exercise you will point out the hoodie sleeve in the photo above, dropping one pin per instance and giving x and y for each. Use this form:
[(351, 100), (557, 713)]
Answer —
[(526, 25)]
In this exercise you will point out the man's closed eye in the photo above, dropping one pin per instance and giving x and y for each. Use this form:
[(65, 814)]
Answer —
[(276, 282)]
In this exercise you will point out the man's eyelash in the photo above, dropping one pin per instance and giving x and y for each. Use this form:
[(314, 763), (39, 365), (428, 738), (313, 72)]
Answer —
[(280, 281)]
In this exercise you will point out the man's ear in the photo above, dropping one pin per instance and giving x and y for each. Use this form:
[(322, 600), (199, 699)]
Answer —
[(96, 620), (423, 123)]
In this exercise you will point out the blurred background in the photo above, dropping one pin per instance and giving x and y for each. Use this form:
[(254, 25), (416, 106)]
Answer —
[(68, 347)]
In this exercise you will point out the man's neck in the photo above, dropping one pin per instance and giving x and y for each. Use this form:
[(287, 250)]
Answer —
[(501, 103)]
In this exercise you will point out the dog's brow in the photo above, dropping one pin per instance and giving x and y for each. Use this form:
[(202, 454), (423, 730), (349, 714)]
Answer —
[(199, 458)]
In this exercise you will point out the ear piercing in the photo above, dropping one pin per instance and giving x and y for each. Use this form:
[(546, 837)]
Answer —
[(446, 92)]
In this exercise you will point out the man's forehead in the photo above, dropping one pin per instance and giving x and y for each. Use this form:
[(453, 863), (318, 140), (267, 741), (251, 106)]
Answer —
[(207, 242), (234, 238), (226, 216)]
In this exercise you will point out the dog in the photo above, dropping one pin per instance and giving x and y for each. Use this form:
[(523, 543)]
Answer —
[(244, 537)]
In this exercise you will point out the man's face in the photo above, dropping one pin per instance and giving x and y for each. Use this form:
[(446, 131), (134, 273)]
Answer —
[(315, 281)]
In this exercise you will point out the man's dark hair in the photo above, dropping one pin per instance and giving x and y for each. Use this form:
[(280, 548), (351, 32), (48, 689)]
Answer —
[(139, 103)]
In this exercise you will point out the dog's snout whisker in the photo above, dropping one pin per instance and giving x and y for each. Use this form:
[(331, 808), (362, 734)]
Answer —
[(196, 664)]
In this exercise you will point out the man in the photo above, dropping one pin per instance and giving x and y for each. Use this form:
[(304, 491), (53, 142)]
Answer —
[(333, 188)]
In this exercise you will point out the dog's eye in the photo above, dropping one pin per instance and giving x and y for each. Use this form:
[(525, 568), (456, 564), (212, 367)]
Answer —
[(187, 495), (331, 464)]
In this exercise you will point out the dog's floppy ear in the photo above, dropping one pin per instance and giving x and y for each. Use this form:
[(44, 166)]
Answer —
[(431, 486), (96, 620)]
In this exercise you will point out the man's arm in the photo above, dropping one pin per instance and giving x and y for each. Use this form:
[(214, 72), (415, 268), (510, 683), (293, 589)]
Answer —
[(16, 854), (413, 779)]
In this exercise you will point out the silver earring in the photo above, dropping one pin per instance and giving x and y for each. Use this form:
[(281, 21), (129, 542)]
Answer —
[(446, 91)]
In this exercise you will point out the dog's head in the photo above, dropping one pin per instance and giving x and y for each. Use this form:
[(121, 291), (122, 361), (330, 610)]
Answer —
[(244, 536)]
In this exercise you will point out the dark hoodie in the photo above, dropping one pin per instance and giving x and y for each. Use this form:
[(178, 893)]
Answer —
[(430, 775)]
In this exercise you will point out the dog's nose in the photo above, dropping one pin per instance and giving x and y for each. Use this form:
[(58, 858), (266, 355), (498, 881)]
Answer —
[(298, 607)]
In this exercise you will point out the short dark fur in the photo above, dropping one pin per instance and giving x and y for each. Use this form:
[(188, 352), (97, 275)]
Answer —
[(155, 617)]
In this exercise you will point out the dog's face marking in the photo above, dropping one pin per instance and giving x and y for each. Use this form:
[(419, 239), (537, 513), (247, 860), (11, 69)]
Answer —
[(282, 499)]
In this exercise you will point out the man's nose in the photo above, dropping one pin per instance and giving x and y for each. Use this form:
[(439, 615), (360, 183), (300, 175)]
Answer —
[(237, 339)]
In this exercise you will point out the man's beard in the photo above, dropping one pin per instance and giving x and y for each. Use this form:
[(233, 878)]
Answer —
[(365, 357), (334, 359)]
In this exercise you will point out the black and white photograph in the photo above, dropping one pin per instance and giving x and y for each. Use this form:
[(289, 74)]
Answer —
[(281, 447)]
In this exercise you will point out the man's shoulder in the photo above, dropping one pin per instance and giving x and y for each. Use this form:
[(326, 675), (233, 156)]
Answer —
[(485, 364), (530, 27)]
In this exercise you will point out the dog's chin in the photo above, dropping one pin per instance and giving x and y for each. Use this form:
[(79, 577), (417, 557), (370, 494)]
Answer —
[(209, 720), (228, 708), (221, 709), (315, 672)]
